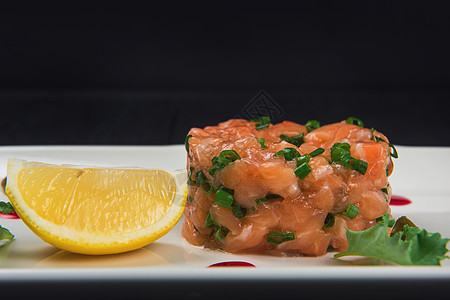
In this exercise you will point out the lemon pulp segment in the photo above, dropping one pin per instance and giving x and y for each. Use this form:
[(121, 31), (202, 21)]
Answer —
[(96, 210), (97, 201)]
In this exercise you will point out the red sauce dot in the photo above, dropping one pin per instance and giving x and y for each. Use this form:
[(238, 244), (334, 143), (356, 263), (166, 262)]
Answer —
[(399, 200), (232, 264), (9, 216)]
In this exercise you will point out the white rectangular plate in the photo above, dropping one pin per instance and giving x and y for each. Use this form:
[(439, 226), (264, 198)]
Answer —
[(420, 173)]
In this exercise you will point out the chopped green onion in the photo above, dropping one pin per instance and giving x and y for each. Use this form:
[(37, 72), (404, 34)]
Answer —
[(339, 151), (351, 120), (311, 125), (186, 142), (263, 122), (260, 200), (221, 233), (262, 142), (340, 154), (303, 159), (205, 184), (302, 171), (373, 133), (350, 211), (394, 152), (385, 190), (200, 177), (268, 197), (296, 140), (230, 155), (329, 221), (238, 211), (276, 238), (207, 187), (209, 222), (358, 165), (224, 197), (190, 198), (288, 153), (316, 152), (224, 159), (190, 181), (387, 171), (273, 196)]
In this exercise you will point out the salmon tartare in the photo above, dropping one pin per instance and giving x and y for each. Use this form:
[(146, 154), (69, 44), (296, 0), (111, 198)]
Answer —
[(286, 188)]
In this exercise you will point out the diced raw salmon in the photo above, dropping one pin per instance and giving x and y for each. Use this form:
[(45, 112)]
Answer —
[(274, 210)]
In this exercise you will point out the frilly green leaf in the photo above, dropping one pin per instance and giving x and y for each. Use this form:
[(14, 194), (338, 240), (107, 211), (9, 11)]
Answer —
[(411, 246)]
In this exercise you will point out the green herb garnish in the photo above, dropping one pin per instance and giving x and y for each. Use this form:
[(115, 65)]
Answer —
[(288, 153), (316, 152), (311, 125), (350, 211), (394, 152), (224, 197), (5, 234), (238, 211), (262, 122), (6, 208), (352, 120), (340, 154), (296, 140), (303, 159), (209, 222), (329, 221), (262, 142), (190, 181), (268, 197), (186, 142), (219, 232), (409, 246), (205, 184), (200, 179), (302, 171), (225, 158), (276, 238)]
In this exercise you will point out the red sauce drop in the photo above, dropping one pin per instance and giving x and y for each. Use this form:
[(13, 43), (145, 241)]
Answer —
[(399, 200), (9, 216), (232, 264)]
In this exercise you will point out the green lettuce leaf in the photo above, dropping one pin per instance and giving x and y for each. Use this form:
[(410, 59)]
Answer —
[(410, 246), (6, 208), (5, 234)]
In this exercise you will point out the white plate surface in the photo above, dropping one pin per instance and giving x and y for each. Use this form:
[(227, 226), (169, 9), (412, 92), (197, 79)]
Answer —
[(420, 173)]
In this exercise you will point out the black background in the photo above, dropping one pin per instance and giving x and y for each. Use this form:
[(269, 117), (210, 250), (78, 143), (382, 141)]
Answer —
[(144, 75)]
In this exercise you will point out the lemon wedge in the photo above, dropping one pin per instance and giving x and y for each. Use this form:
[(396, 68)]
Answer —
[(92, 210)]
